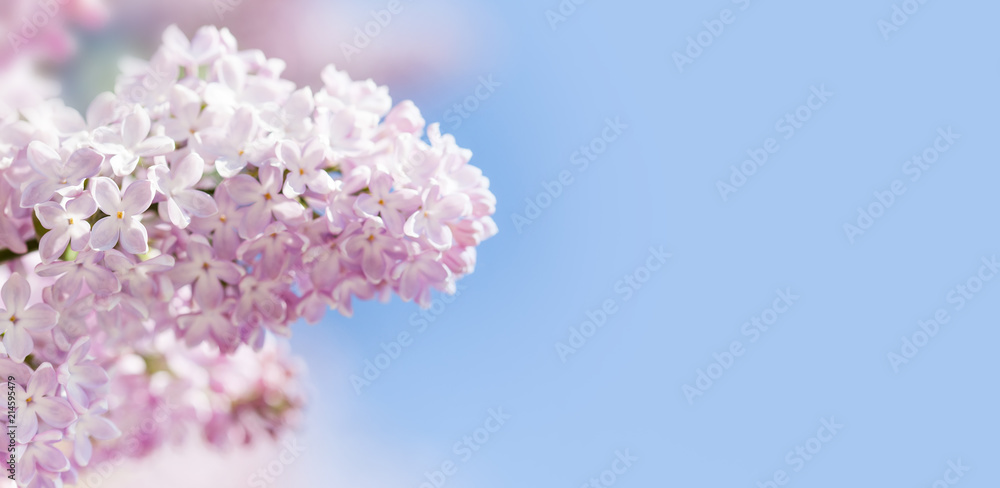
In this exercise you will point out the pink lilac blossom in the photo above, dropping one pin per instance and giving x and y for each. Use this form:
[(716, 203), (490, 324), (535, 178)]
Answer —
[(154, 250)]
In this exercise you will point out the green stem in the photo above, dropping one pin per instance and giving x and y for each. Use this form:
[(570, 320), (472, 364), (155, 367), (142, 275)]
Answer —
[(8, 255)]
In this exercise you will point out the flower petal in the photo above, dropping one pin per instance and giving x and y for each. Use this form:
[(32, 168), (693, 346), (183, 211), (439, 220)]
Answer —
[(44, 159), (243, 189), (84, 163), (42, 382), (82, 206), (18, 342), (134, 237), (138, 196), (15, 293), (38, 191), (39, 317), (196, 202), (155, 146), (50, 458), (105, 233), (188, 171), (107, 195), (53, 244), (54, 411), (135, 127)]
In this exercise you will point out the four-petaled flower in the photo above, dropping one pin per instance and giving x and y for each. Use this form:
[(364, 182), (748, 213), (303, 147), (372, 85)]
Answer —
[(66, 226), (41, 458), (91, 424), (206, 272), (56, 173), (224, 226), (263, 200), (123, 220), (131, 142), (18, 318), (373, 248), (177, 184), (304, 167), (80, 375), (431, 221), (40, 400), (393, 206), (232, 146)]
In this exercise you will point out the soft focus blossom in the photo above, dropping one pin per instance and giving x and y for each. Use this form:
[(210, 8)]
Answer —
[(190, 218)]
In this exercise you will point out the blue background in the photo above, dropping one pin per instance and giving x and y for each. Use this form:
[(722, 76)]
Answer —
[(494, 346)]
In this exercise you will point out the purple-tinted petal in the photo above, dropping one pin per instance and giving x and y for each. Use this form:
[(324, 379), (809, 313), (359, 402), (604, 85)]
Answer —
[(452, 207), (15, 293), (104, 235), (101, 428), (134, 238), (243, 189), (287, 210), (82, 449), (53, 244), (288, 153), (373, 264), (124, 163), (44, 159), (50, 215), (102, 110), (38, 191), (225, 241), (368, 205), (208, 292), (90, 375), (107, 195), (80, 233), (82, 206), (175, 214), (270, 179), (242, 126), (439, 234), (155, 146), (188, 171), (39, 317), (50, 458), (18, 342), (27, 427), (135, 127), (83, 163), (196, 202), (138, 196), (255, 220), (56, 412), (381, 184), (185, 273), (228, 272), (42, 382)]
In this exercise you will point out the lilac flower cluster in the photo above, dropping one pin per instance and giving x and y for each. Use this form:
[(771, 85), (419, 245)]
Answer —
[(187, 218)]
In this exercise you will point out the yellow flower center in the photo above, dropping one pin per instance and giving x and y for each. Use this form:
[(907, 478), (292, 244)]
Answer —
[(121, 215), (267, 196), (70, 221)]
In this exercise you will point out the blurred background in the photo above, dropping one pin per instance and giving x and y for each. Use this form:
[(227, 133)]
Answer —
[(592, 95)]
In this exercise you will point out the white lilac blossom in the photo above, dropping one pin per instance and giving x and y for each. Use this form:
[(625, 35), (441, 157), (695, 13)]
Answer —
[(152, 250)]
